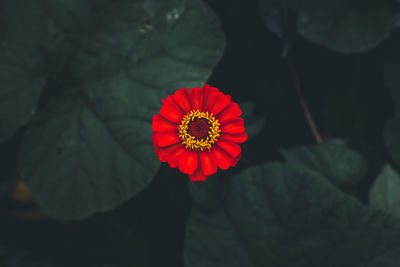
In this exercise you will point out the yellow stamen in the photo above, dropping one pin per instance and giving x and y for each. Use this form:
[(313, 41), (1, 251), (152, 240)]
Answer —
[(192, 142)]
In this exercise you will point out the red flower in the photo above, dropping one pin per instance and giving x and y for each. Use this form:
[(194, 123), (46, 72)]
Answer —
[(198, 131)]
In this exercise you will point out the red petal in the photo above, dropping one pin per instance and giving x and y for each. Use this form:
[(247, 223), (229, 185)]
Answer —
[(188, 162), (171, 111), (236, 138), (197, 176), (175, 156), (209, 93), (222, 159), (231, 112), (166, 139), (154, 139), (207, 163), (236, 159), (229, 147), (164, 153), (182, 99), (235, 126), (218, 103), (161, 124), (196, 95)]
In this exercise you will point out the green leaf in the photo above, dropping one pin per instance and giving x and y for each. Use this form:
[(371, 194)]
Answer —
[(21, 63), (340, 164), (280, 16), (385, 191), (347, 26), (92, 150), (68, 14), (285, 215)]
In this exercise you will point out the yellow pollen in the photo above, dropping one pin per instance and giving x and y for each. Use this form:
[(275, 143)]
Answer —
[(192, 142)]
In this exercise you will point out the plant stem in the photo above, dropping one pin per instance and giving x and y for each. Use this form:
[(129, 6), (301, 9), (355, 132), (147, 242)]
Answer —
[(303, 102)]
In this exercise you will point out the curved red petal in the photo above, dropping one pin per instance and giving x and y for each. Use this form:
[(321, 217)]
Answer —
[(196, 96), (222, 159), (236, 138), (232, 111), (174, 157), (229, 147), (209, 93), (188, 162), (164, 153), (218, 103), (182, 99), (198, 176), (235, 126), (171, 111), (161, 124), (236, 159), (207, 163), (154, 139), (167, 138)]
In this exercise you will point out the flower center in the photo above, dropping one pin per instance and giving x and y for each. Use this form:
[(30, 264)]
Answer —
[(199, 130)]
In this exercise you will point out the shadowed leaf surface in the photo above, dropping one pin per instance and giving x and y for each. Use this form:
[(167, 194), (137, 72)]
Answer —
[(285, 215), (385, 192), (280, 16), (347, 26), (340, 164), (91, 149), (21, 63)]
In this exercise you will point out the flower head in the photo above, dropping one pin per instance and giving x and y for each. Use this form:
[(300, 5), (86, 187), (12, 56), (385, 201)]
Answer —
[(198, 131)]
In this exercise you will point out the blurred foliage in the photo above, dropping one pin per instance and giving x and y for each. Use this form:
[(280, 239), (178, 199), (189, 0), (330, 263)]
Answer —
[(284, 215), (81, 80), (337, 162), (384, 193)]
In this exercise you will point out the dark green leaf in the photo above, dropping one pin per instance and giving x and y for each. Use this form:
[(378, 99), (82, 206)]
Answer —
[(93, 150), (21, 63), (286, 215), (348, 26), (74, 165), (69, 14), (337, 162), (280, 16), (385, 192)]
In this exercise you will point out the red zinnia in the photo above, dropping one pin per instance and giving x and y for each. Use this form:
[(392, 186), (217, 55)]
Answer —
[(198, 131)]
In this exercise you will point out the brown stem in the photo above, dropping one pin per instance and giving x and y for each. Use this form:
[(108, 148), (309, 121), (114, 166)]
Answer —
[(303, 102)]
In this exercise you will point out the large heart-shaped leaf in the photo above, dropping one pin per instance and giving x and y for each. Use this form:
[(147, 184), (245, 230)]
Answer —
[(343, 26), (286, 215), (21, 63), (337, 162), (91, 151), (346, 25)]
